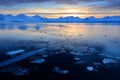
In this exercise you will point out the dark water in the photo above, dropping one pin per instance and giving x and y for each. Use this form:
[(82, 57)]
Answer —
[(74, 51)]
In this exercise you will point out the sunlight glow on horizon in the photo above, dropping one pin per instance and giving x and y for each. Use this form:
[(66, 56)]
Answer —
[(61, 9)]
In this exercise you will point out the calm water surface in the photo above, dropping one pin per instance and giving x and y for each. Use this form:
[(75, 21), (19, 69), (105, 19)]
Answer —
[(60, 35)]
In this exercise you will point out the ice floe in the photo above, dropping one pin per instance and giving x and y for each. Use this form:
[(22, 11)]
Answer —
[(76, 53), (38, 61), (106, 55), (90, 68), (106, 61), (15, 52), (61, 71), (21, 57)]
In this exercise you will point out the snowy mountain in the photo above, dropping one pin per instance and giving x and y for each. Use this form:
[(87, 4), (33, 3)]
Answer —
[(71, 19)]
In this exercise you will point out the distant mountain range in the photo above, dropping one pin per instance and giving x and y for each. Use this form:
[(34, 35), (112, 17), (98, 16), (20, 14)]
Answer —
[(68, 19)]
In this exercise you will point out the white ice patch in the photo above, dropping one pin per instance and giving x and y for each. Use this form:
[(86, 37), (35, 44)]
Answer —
[(15, 52), (90, 68), (106, 61), (77, 59), (38, 61), (106, 55), (76, 53), (117, 57), (61, 71), (21, 57)]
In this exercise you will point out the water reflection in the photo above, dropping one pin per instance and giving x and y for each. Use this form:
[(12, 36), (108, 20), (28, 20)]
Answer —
[(73, 36)]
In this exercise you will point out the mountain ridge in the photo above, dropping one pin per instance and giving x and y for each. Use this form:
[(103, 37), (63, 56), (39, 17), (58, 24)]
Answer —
[(67, 19)]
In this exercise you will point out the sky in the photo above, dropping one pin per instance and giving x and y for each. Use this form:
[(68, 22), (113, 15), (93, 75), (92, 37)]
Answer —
[(61, 8)]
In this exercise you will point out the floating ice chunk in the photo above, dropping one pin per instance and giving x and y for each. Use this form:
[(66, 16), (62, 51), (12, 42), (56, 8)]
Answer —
[(65, 72), (106, 61), (106, 55), (76, 58), (117, 57), (38, 61), (61, 71), (90, 68), (21, 72), (21, 57), (15, 52), (76, 53)]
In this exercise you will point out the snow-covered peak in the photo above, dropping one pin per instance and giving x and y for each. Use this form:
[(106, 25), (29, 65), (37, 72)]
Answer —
[(21, 15), (37, 18)]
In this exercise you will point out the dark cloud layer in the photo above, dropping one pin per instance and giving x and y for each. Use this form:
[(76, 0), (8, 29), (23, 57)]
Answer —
[(109, 3)]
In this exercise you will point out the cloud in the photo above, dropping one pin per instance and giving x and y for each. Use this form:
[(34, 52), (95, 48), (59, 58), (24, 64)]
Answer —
[(95, 4), (12, 2)]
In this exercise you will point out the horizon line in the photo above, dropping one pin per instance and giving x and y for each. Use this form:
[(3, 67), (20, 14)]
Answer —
[(61, 13), (70, 13)]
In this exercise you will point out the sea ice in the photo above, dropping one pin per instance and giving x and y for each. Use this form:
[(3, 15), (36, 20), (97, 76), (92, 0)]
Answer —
[(15, 52), (38, 61), (106, 61), (106, 55), (58, 70), (90, 68), (76, 58), (21, 57), (76, 53)]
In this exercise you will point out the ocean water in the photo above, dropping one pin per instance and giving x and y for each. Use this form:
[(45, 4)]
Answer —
[(39, 35), (94, 47)]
